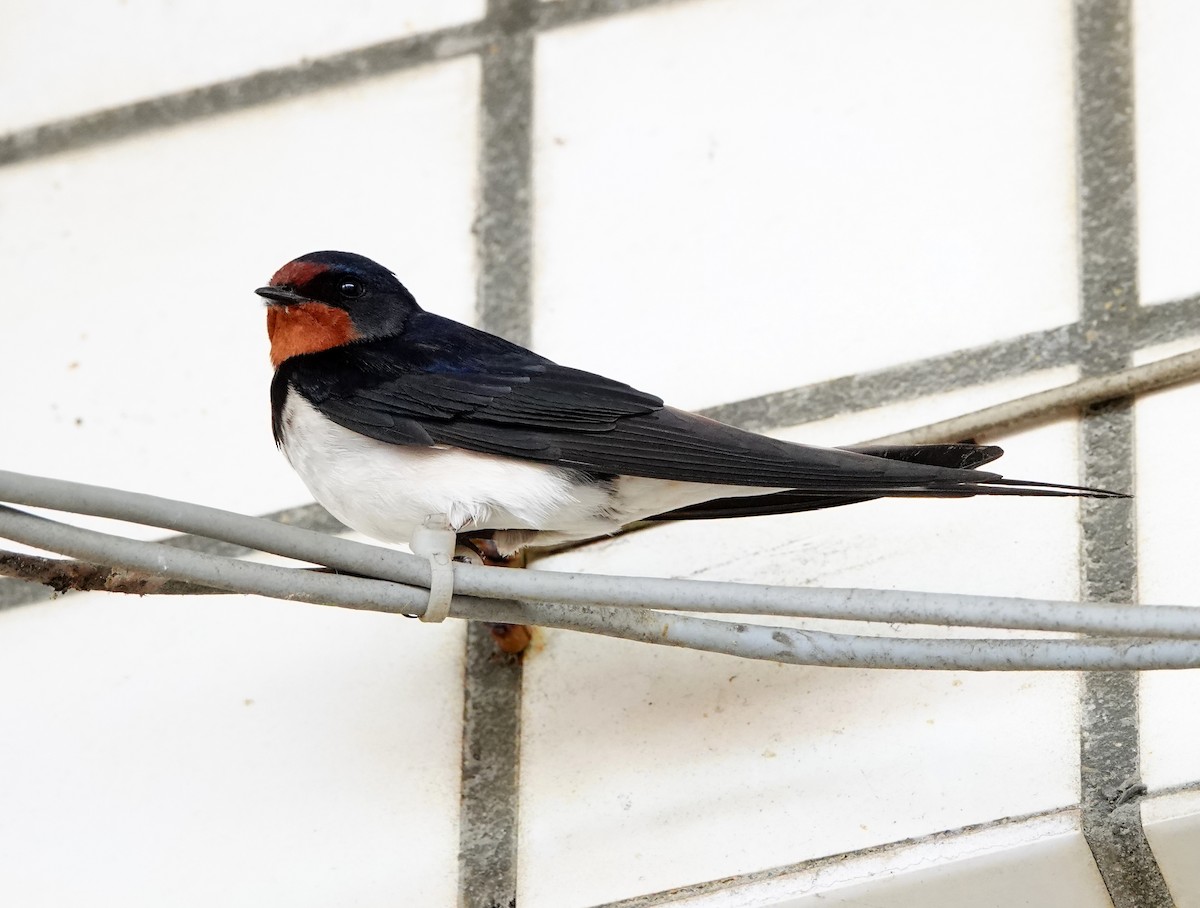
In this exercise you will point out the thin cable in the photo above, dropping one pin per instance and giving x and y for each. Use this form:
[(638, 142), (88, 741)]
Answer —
[(210, 570), (885, 606), (777, 644), (1012, 413), (805, 647)]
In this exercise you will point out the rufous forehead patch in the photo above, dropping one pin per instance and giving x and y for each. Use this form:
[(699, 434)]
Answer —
[(297, 274), (307, 328)]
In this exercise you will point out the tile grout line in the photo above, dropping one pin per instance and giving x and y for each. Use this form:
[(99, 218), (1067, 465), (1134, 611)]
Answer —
[(268, 86), (1008, 358), (281, 83), (1109, 726), (487, 858), (489, 810), (503, 223)]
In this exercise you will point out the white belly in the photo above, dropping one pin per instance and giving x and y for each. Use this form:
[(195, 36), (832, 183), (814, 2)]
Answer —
[(385, 491)]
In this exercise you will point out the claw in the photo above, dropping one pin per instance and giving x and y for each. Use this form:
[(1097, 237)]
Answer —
[(510, 638)]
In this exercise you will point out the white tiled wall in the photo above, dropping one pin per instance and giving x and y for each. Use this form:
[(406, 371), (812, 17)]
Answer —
[(1168, 86), (60, 58), (1168, 141), (226, 750), (750, 184), (1166, 542)]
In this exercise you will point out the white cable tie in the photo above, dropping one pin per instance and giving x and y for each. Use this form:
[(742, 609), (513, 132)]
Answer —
[(435, 540)]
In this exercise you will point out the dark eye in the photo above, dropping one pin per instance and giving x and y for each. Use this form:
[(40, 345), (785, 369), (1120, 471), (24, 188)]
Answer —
[(351, 289)]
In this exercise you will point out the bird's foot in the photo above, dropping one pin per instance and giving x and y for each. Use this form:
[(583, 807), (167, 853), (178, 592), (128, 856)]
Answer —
[(510, 638), (483, 550)]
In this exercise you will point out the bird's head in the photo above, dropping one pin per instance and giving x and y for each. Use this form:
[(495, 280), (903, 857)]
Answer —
[(327, 299)]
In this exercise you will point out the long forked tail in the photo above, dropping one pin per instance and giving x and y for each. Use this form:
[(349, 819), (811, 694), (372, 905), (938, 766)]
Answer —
[(1050, 489), (955, 456), (970, 457)]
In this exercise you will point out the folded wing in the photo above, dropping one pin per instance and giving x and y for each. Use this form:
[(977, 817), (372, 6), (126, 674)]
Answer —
[(442, 383)]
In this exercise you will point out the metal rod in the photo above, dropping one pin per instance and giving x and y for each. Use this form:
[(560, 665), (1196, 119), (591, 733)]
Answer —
[(886, 606), (752, 641), (1002, 417)]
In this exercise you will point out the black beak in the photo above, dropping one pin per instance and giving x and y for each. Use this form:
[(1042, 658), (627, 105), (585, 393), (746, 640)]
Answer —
[(281, 296)]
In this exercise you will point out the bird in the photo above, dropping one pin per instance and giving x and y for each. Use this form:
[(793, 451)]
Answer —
[(392, 415)]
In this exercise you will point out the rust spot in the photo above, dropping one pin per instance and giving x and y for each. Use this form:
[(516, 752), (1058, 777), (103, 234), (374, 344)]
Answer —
[(297, 273), (511, 638), (307, 328)]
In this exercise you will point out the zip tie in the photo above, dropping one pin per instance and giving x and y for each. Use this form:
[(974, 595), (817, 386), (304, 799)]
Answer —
[(435, 540)]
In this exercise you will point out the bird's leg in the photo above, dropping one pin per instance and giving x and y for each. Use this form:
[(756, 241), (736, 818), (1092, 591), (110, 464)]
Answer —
[(487, 552), (473, 549)]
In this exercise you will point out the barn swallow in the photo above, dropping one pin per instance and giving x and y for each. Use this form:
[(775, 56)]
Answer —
[(391, 415)]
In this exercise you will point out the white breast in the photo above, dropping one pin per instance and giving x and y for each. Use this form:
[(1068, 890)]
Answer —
[(386, 490)]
